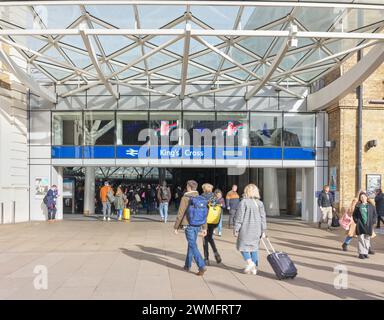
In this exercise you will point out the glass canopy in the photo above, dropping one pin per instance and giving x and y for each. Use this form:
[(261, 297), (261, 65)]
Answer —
[(225, 44)]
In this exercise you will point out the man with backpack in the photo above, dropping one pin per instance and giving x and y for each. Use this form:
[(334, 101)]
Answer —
[(50, 201), (192, 217), (164, 197), (107, 198)]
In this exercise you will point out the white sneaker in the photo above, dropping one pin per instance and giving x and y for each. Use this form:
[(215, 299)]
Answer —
[(109, 219), (104, 218), (254, 270), (248, 268)]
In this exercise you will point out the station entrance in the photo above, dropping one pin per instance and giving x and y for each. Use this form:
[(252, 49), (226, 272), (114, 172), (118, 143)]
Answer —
[(281, 189)]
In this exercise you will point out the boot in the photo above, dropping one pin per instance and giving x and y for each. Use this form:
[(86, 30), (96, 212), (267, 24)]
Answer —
[(345, 247), (217, 257)]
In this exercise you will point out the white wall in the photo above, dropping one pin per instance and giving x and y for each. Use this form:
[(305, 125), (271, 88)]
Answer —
[(14, 169)]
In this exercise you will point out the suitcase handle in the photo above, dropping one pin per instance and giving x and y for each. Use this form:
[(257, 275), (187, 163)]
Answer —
[(269, 244)]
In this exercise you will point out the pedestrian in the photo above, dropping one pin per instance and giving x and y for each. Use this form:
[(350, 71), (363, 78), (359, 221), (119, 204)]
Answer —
[(232, 200), (326, 204), (107, 198), (221, 202), (191, 216), (164, 197), (120, 202), (351, 231), (50, 201), (250, 226), (214, 214), (379, 201), (365, 217)]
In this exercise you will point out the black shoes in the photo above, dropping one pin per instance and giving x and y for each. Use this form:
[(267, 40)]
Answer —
[(186, 269), (361, 256), (345, 247), (370, 251), (217, 257), (319, 225), (366, 256), (206, 261)]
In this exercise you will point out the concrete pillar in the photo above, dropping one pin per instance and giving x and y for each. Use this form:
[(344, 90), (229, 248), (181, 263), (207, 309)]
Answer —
[(162, 174), (271, 192), (89, 191)]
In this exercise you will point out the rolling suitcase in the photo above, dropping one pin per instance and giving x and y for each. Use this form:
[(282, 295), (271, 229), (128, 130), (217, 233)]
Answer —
[(280, 262), (126, 214)]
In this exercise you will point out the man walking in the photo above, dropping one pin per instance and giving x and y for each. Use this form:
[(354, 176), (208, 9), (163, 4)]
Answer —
[(192, 218), (106, 194), (164, 196), (233, 199), (326, 202)]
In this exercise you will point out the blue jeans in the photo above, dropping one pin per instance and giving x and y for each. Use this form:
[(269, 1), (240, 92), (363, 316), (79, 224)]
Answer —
[(220, 225), (347, 240), (250, 255), (163, 208), (119, 213), (193, 252)]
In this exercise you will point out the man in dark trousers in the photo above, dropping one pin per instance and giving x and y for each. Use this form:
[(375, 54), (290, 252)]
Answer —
[(326, 202), (164, 197)]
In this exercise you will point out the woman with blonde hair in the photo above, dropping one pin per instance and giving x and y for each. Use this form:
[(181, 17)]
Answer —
[(250, 226), (351, 231)]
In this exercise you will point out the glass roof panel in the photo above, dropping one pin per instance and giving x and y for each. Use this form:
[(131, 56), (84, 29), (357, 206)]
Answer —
[(194, 72), (20, 16), (262, 16), (121, 16), (154, 17), (80, 60), (74, 41), (239, 74), (158, 59), (56, 73), (112, 44), (316, 55), (211, 60), (356, 19), (173, 72), (32, 43), (224, 17), (320, 19), (57, 17)]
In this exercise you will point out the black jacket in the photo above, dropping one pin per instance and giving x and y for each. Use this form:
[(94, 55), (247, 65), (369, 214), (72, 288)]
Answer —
[(367, 228), (379, 200), (323, 200)]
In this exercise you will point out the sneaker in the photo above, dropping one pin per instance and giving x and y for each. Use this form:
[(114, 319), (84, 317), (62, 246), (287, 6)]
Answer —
[(248, 268), (104, 218), (219, 234), (201, 271), (109, 219), (254, 270), (370, 251), (345, 247), (217, 257), (366, 256), (361, 256), (329, 229), (206, 261)]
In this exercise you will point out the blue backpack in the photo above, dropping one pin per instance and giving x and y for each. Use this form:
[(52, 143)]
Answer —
[(197, 211)]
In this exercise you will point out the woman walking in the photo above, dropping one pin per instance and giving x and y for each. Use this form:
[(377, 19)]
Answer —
[(351, 228), (220, 201), (213, 207), (250, 226), (365, 217), (120, 201)]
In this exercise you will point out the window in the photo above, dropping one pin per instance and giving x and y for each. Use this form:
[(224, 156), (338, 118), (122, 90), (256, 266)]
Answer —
[(234, 128), (299, 130), (67, 128), (129, 126), (164, 123), (194, 124), (265, 129), (99, 128)]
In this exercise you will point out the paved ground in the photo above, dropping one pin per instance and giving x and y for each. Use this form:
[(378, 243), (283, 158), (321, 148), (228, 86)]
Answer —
[(142, 259)]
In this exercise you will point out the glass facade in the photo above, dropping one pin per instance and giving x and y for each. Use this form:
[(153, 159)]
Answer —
[(254, 129)]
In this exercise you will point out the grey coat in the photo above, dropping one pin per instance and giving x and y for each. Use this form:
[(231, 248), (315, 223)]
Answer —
[(250, 223)]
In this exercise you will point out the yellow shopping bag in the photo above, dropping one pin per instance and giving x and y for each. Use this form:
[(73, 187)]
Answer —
[(126, 214), (214, 214)]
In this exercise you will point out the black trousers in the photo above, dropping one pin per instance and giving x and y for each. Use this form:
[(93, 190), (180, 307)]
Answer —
[(52, 213), (208, 239), (379, 218)]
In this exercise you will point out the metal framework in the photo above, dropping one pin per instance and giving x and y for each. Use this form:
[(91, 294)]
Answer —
[(146, 44)]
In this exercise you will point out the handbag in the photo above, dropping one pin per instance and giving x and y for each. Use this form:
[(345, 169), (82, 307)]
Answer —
[(345, 221), (335, 222)]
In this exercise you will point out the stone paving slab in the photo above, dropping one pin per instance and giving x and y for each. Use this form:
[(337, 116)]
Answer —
[(143, 259)]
